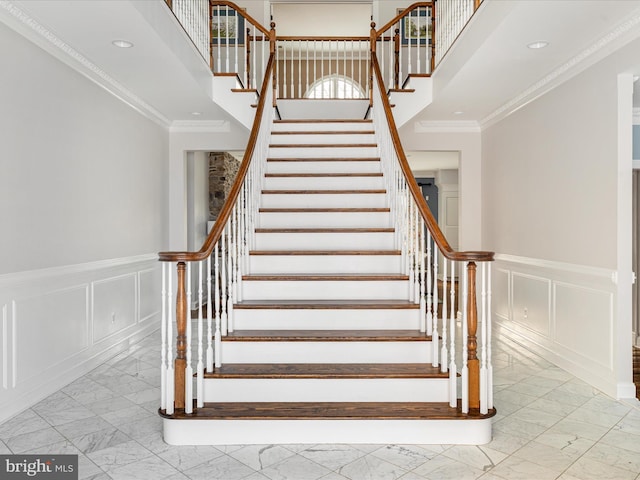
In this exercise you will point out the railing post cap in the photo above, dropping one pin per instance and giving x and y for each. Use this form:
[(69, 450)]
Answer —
[(373, 24)]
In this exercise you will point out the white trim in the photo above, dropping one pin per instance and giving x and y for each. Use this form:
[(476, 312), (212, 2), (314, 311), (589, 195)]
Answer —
[(203, 126), (550, 264), (12, 279), (615, 39), (444, 126), (27, 26)]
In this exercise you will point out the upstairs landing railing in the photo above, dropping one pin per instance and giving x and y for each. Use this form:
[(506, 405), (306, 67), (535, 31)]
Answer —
[(234, 43)]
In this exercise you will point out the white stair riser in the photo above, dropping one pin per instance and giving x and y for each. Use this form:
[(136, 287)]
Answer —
[(323, 139), (325, 263), (343, 166), (329, 319), (322, 127), (325, 241), (270, 432), (322, 152), (323, 200), (326, 352), (324, 219), (325, 290), (323, 183), (326, 390)]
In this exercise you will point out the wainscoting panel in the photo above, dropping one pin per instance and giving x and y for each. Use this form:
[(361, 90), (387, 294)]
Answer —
[(55, 326), (565, 313), (58, 324)]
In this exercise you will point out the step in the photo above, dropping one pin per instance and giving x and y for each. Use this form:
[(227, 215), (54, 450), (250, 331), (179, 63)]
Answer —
[(325, 287), (323, 181), (325, 125), (324, 217), (372, 198), (270, 423), (355, 150), (327, 382), (324, 239), (335, 137), (323, 165), (345, 261), (332, 314), (317, 346)]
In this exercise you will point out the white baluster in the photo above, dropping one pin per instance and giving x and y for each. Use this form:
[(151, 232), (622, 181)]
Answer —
[(219, 44), (237, 40), (188, 384), (210, 314), (223, 289), (453, 369), (307, 68), (416, 253), (464, 374), (424, 322), (419, 40), (445, 348), (299, 69), (483, 336), (218, 335), (230, 272), (200, 363), (254, 59), (434, 296), (489, 340), (344, 68), (163, 340), (293, 77), (226, 32), (170, 355), (284, 69)]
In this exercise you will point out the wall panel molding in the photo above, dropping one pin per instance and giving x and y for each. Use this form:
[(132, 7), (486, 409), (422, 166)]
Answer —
[(579, 302), (57, 323)]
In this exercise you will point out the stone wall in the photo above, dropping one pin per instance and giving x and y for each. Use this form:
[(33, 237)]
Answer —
[(223, 168)]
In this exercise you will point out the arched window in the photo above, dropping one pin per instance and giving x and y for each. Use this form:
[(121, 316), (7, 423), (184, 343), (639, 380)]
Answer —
[(335, 86)]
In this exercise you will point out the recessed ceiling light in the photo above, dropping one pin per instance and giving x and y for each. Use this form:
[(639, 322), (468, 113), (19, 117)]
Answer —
[(536, 45), (459, 112), (196, 113), (122, 44)]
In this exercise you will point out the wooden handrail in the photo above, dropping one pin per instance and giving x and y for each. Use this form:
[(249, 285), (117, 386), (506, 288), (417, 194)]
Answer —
[(423, 208), (320, 38), (221, 221), (245, 15), (401, 15)]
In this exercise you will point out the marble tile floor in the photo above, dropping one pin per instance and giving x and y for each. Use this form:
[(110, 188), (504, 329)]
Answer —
[(550, 425)]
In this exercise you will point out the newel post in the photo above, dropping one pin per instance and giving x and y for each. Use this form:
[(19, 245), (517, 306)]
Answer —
[(372, 47), (273, 51), (472, 340), (180, 362)]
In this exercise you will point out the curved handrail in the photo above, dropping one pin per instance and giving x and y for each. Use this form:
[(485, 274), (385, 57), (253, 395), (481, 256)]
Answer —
[(244, 14), (221, 221), (401, 15), (423, 208)]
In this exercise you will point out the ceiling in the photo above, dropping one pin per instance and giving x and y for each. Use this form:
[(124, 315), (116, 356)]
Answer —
[(488, 70)]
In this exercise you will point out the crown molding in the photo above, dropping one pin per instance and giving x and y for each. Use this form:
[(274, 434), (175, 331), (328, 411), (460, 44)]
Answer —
[(200, 126), (622, 34), (443, 126), (28, 27)]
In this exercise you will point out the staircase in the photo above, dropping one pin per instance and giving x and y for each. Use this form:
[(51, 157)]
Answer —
[(322, 342)]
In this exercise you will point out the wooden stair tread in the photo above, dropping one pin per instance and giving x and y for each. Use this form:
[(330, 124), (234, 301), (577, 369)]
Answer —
[(325, 159), (323, 132), (338, 120), (321, 175), (325, 336), (380, 304), (244, 90), (325, 210), (330, 411), (327, 370), (325, 252), (402, 90), (326, 230), (326, 277), (324, 192), (323, 145)]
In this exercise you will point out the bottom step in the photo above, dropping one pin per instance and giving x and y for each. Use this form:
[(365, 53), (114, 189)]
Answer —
[(327, 422)]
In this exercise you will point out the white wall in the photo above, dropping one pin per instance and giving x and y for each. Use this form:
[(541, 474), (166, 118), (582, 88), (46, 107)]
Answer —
[(554, 208), (83, 207)]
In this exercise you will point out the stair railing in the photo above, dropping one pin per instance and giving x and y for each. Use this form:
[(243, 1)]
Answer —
[(323, 67), (405, 45), (239, 44), (220, 264), (435, 269), (451, 17), (194, 18)]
